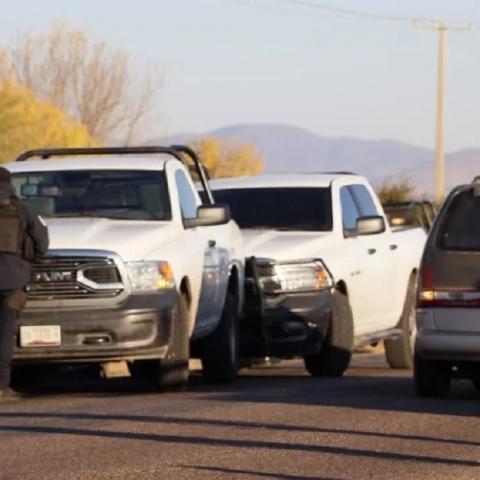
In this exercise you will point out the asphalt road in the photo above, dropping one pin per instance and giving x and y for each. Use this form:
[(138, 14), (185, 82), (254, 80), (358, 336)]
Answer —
[(275, 422)]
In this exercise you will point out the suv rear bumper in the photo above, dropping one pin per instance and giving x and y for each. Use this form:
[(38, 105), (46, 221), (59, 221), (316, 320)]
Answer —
[(442, 345), (139, 328)]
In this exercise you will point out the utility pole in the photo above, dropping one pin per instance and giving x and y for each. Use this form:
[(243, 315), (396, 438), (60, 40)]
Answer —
[(440, 125), (441, 28)]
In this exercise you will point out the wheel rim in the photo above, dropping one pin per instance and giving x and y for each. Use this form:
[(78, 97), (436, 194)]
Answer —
[(412, 327)]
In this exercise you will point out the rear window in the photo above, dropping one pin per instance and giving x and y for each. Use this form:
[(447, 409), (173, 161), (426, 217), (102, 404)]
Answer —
[(460, 227)]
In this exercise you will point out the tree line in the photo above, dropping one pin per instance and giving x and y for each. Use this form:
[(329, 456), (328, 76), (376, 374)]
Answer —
[(63, 88)]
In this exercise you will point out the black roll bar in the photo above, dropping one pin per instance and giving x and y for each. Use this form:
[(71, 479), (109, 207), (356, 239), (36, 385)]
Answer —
[(62, 152), (176, 151), (199, 167)]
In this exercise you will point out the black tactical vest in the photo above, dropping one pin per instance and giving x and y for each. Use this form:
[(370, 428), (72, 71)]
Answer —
[(11, 231)]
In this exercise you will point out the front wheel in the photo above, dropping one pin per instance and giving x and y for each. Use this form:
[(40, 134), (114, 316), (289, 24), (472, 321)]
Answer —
[(399, 352), (334, 357), (170, 374), (220, 350)]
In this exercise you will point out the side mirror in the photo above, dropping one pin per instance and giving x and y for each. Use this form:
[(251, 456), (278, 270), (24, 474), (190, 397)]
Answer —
[(209, 215), (370, 225)]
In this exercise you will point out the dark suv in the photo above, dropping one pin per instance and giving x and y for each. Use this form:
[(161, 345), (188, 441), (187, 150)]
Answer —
[(448, 311)]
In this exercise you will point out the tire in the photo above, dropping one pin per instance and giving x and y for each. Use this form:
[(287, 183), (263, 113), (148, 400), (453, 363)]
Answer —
[(170, 374), (334, 357), (220, 350), (399, 352), (431, 380), (29, 377)]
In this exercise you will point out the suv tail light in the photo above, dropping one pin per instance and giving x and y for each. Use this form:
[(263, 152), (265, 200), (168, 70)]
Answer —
[(426, 292), (431, 297), (448, 299)]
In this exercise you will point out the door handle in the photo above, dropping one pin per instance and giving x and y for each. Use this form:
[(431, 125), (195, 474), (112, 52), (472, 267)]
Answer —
[(393, 247), (212, 243), (371, 251)]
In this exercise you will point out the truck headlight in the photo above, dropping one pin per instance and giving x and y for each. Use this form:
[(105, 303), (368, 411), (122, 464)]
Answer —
[(150, 276), (298, 276)]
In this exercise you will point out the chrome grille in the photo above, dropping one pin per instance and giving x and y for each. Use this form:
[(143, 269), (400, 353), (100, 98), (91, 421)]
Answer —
[(74, 277)]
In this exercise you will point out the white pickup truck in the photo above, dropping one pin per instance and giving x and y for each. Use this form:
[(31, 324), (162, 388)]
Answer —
[(326, 269), (139, 270)]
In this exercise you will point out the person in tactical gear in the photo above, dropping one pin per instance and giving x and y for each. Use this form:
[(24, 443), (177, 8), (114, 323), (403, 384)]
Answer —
[(23, 236)]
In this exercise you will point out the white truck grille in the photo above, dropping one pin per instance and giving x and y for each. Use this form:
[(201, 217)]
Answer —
[(74, 277)]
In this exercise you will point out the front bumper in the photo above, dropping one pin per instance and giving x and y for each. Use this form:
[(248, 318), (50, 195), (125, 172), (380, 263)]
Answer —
[(139, 328), (293, 324)]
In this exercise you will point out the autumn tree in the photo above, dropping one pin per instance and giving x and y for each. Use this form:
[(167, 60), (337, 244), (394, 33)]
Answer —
[(228, 158), (27, 122), (95, 84), (402, 190)]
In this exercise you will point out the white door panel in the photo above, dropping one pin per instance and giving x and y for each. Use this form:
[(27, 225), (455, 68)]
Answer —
[(383, 279)]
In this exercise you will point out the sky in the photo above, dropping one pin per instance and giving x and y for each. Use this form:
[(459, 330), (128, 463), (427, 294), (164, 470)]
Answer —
[(232, 62)]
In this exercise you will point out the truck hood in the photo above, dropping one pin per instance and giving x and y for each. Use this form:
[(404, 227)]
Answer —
[(132, 240), (285, 245)]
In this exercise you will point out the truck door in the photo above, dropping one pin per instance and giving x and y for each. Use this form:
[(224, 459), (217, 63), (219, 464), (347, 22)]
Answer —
[(355, 259), (382, 265), (209, 244)]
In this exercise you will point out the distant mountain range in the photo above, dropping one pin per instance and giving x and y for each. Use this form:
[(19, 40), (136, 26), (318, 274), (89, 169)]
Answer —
[(291, 149)]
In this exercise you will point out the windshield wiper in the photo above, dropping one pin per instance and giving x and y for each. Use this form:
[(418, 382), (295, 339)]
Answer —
[(258, 227), (92, 214)]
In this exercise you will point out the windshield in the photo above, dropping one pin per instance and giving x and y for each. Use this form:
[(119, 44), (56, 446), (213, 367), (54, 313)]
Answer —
[(122, 194), (279, 208)]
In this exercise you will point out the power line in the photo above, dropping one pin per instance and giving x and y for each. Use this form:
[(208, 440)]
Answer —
[(440, 27), (349, 13), (282, 8), (319, 8), (467, 47)]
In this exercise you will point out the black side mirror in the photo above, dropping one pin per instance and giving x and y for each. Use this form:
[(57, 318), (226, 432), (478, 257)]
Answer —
[(371, 225), (209, 215)]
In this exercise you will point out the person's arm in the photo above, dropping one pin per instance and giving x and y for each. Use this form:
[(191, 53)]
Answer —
[(38, 232)]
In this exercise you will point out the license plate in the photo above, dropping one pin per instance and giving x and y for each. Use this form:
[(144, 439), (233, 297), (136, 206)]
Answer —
[(40, 336)]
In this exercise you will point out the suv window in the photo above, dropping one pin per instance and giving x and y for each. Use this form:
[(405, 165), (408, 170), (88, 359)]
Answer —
[(364, 200), (460, 227), (186, 196), (349, 209)]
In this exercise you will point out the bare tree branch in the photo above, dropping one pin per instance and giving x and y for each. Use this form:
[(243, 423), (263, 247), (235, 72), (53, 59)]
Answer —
[(94, 83)]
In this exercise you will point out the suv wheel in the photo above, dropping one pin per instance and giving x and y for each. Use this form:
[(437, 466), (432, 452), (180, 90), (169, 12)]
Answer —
[(431, 380), (399, 352), (334, 357), (220, 350)]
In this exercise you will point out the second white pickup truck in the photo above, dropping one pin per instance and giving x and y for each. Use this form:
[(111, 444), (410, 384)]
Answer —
[(314, 232)]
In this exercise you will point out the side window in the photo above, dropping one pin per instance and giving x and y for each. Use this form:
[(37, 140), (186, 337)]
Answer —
[(349, 209), (364, 200), (186, 197)]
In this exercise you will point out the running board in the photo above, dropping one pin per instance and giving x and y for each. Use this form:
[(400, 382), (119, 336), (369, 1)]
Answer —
[(376, 337)]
